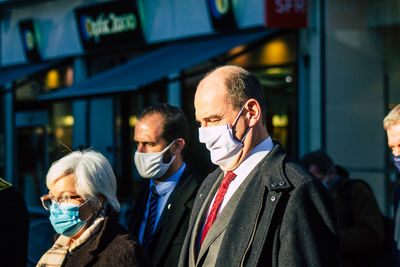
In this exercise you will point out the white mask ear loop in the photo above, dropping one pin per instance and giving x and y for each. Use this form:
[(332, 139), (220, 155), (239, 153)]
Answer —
[(237, 116), (234, 122)]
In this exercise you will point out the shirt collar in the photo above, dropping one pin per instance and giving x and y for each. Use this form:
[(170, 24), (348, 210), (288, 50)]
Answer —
[(254, 157), (169, 184)]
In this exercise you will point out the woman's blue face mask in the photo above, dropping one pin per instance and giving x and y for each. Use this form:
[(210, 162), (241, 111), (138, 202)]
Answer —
[(65, 218)]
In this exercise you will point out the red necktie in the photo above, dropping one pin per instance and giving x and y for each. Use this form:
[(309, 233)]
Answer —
[(229, 176)]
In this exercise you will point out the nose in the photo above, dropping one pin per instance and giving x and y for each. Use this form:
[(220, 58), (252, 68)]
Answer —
[(140, 148), (396, 151)]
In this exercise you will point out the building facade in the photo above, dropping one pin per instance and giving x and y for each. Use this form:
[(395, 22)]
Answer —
[(77, 73)]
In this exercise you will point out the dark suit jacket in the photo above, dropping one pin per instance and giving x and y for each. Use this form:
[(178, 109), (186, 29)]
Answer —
[(360, 222), (112, 246), (171, 229), (284, 218)]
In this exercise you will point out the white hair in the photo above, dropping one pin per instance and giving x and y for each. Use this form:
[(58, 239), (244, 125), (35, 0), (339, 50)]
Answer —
[(392, 118), (93, 175)]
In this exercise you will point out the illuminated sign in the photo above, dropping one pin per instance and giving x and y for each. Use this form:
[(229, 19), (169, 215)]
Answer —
[(221, 14), (286, 13), (30, 37), (109, 24)]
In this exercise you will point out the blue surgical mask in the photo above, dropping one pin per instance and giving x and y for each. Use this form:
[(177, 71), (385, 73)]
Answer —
[(65, 218), (397, 162)]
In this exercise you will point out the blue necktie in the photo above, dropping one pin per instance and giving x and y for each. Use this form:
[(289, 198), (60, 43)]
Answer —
[(151, 218)]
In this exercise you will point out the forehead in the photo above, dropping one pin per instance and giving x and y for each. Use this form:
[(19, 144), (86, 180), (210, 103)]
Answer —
[(65, 183), (210, 97), (393, 133), (150, 127)]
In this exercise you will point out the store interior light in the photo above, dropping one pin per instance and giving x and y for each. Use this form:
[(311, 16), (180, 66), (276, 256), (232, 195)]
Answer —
[(132, 121), (276, 52), (280, 120), (69, 77), (52, 79), (68, 121), (274, 71)]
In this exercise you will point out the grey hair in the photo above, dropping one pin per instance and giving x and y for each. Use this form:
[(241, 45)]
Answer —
[(392, 118), (93, 175)]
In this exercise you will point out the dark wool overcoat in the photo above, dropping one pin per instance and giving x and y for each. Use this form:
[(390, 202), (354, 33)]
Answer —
[(284, 218), (112, 246)]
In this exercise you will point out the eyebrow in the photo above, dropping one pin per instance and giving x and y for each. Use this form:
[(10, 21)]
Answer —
[(63, 192)]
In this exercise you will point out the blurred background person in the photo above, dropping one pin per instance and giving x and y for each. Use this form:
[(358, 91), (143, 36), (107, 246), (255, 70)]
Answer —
[(160, 217), (360, 222), (83, 205), (391, 124), (14, 226)]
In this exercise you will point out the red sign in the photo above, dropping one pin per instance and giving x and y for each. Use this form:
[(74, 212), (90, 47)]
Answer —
[(286, 13)]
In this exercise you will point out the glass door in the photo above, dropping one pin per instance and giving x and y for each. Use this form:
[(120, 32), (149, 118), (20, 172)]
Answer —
[(32, 157)]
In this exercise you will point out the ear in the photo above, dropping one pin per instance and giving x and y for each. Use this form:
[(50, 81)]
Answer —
[(178, 146), (253, 111)]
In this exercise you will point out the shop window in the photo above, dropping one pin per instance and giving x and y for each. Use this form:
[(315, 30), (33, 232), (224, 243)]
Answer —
[(29, 88), (60, 130)]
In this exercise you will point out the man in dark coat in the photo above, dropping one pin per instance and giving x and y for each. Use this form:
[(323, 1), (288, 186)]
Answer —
[(14, 226), (161, 135), (391, 124), (360, 222), (258, 208)]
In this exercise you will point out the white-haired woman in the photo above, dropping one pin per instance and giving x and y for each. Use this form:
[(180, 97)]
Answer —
[(83, 211)]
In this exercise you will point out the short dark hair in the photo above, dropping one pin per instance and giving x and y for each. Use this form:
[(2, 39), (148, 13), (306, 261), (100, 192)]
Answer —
[(175, 121), (241, 86), (318, 158)]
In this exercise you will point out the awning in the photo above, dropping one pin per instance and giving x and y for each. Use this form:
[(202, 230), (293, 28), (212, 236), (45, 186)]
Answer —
[(9, 74), (156, 65)]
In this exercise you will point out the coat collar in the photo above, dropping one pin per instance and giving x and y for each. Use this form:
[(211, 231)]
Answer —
[(275, 178)]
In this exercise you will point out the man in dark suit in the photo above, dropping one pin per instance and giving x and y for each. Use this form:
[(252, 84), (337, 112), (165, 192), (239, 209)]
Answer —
[(161, 216), (258, 208), (360, 221)]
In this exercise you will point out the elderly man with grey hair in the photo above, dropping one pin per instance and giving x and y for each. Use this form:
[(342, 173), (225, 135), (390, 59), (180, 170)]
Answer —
[(391, 124), (82, 203)]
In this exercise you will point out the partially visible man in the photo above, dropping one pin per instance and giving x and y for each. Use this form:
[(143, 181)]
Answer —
[(258, 208), (391, 124), (14, 226), (161, 216), (360, 222)]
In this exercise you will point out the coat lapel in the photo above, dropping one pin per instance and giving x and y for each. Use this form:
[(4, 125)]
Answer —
[(206, 194), (173, 212), (223, 219)]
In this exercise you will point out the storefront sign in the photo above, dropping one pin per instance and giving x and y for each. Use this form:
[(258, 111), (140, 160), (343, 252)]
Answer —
[(30, 37), (221, 13), (286, 13), (109, 24)]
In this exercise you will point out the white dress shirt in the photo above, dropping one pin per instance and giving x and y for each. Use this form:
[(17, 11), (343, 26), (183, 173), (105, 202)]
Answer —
[(244, 169)]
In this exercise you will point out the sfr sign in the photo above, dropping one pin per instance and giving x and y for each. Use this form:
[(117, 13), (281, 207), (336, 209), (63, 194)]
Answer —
[(286, 13)]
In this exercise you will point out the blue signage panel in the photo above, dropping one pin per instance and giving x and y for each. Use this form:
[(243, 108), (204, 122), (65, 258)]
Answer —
[(109, 25), (221, 14), (30, 39)]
